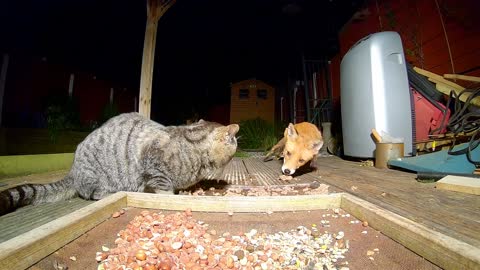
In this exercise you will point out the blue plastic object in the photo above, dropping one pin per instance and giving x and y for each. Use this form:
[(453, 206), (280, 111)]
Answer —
[(439, 161)]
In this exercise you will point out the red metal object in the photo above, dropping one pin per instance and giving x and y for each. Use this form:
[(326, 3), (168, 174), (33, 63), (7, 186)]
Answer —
[(428, 117)]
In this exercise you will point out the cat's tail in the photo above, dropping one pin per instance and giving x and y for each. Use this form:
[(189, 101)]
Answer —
[(31, 194)]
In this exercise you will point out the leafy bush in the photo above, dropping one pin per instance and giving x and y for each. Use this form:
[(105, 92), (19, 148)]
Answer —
[(62, 114), (110, 110), (258, 134)]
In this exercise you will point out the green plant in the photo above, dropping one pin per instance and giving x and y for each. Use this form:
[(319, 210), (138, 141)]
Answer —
[(241, 154), (257, 134), (110, 110), (61, 114)]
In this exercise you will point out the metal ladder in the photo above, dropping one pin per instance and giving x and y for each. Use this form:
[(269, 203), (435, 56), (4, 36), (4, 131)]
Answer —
[(319, 104)]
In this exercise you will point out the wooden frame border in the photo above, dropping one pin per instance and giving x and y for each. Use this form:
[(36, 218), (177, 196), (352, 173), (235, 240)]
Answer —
[(442, 250), (239, 204), (25, 250)]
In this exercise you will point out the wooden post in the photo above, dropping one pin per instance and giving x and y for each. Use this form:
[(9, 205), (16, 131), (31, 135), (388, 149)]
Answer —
[(3, 78), (155, 10)]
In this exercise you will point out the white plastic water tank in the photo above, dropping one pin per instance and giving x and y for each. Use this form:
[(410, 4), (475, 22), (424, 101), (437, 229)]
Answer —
[(375, 94)]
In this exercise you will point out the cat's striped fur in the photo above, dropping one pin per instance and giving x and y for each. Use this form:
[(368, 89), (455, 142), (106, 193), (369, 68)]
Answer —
[(132, 153)]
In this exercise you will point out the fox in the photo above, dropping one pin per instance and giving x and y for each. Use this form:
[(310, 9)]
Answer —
[(300, 145)]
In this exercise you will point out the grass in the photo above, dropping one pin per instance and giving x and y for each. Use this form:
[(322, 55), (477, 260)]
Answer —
[(241, 154), (17, 165), (258, 134)]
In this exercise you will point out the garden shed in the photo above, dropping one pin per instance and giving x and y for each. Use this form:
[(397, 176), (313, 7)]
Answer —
[(251, 99)]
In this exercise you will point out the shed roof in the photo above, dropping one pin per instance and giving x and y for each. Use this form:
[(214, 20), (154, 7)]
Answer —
[(250, 80)]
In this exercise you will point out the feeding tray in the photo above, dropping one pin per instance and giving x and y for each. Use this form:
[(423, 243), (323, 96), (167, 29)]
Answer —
[(27, 249)]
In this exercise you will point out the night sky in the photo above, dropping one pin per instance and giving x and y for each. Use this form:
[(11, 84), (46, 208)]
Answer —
[(202, 45)]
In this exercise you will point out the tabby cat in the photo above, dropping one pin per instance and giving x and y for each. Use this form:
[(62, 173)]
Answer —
[(132, 153)]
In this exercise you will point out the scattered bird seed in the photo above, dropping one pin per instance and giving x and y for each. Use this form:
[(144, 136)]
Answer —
[(153, 239)]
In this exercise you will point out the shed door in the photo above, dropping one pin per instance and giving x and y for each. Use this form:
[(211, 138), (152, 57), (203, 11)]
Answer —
[(263, 100)]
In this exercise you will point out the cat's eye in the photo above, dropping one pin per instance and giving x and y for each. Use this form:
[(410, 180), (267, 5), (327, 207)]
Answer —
[(301, 161)]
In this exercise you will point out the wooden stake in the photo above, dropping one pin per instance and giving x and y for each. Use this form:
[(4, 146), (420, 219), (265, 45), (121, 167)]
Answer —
[(3, 78), (462, 77), (155, 10), (377, 136)]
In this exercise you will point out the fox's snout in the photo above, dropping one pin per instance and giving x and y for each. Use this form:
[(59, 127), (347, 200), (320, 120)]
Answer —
[(287, 171), (301, 144)]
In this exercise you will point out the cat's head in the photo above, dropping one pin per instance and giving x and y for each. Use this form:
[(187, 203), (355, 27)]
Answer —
[(224, 143)]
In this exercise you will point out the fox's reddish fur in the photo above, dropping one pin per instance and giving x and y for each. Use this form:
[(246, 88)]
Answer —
[(300, 145)]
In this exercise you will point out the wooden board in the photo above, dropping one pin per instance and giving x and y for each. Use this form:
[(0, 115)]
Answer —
[(447, 252), (239, 204), (453, 214), (26, 249), (450, 85), (235, 173), (445, 89), (462, 77), (460, 184), (30, 217), (437, 78), (263, 173)]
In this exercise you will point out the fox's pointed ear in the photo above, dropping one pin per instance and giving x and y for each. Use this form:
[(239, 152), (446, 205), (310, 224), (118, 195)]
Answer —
[(316, 146), (291, 132)]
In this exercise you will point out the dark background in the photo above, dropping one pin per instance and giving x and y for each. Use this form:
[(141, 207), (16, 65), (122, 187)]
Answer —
[(202, 46)]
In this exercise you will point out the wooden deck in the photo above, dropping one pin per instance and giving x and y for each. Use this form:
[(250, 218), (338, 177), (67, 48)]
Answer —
[(451, 213)]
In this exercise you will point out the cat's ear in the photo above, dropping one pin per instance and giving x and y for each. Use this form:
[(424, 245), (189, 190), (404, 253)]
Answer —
[(290, 132), (232, 129)]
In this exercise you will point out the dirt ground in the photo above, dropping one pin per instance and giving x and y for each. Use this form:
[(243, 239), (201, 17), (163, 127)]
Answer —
[(370, 250)]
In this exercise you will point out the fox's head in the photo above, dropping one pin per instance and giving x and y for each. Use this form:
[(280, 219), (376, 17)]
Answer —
[(298, 150)]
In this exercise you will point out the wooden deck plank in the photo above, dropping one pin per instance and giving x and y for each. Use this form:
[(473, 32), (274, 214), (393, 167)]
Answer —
[(27, 218), (28, 248), (445, 251), (275, 166), (454, 214), (236, 173), (261, 174)]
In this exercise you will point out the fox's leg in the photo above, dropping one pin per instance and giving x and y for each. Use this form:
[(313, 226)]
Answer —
[(277, 150), (313, 162)]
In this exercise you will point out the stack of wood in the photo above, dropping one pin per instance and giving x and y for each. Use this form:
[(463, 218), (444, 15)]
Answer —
[(441, 141), (445, 86)]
